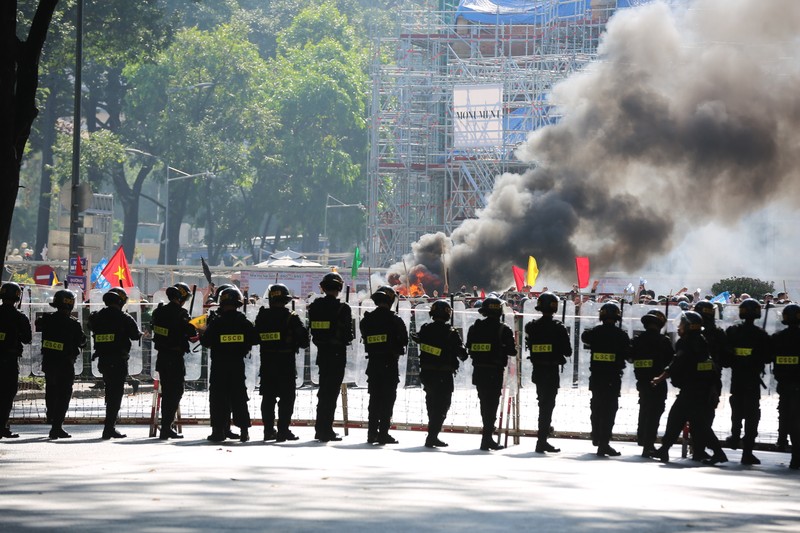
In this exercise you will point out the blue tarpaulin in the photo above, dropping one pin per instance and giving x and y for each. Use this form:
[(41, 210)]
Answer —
[(521, 11)]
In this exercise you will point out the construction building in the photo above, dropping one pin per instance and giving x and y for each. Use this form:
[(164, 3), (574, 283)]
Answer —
[(453, 95)]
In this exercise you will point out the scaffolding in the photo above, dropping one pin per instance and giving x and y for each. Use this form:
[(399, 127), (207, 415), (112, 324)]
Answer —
[(418, 181)]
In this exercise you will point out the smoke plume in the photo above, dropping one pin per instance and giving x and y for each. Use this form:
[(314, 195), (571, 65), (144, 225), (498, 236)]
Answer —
[(689, 120)]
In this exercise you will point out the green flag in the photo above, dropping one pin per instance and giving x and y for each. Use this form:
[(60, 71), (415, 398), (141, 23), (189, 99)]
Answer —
[(356, 263)]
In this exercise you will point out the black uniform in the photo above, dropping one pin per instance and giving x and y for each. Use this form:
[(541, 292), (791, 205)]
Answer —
[(651, 353), (748, 354), (695, 374), (610, 347), (113, 330), (15, 330), (548, 345), (171, 334), (62, 341), (718, 348), (786, 368), (385, 339), (490, 343), (282, 334), (229, 337), (331, 331), (440, 348)]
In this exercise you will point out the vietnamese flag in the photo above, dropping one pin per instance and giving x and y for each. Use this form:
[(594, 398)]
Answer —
[(519, 276), (78, 267), (117, 271), (582, 266)]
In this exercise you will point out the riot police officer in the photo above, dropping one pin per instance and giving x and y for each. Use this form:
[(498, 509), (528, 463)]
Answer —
[(282, 334), (718, 348), (548, 344), (113, 330), (62, 341), (385, 339), (172, 332), (229, 337), (786, 368), (331, 331), (490, 343), (749, 352), (15, 330), (610, 347), (440, 349), (693, 372)]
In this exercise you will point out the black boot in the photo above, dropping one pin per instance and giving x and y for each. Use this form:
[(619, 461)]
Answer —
[(543, 446), (488, 442), (110, 432), (168, 433)]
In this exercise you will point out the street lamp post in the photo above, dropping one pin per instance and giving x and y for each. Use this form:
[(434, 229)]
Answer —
[(338, 203)]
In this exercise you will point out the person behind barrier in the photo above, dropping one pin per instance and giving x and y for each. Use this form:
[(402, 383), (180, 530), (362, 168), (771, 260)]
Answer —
[(785, 356), (282, 335), (385, 339), (172, 333), (15, 330), (62, 342), (651, 353), (694, 373), (610, 347), (113, 330), (490, 343), (330, 321), (440, 349), (749, 353), (229, 337), (548, 344)]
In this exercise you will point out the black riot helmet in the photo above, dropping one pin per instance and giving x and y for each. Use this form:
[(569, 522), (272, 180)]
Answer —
[(791, 315), (441, 309), (220, 289), (491, 307), (384, 295), (610, 311), (706, 309), (278, 293), (180, 292), (115, 296), (10, 291), (692, 321), (63, 299), (547, 303), (231, 296), (750, 309), (332, 281), (654, 316)]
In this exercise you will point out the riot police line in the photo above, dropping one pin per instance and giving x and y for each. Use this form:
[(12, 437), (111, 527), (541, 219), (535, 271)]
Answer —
[(357, 364)]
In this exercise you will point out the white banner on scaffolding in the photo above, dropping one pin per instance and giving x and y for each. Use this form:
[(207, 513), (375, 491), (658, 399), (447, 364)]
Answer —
[(477, 116)]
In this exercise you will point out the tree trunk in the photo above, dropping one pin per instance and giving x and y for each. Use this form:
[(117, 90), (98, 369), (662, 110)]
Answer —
[(19, 79), (46, 176)]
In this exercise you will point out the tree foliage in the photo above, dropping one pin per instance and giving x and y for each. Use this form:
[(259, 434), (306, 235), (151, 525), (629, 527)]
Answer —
[(744, 285)]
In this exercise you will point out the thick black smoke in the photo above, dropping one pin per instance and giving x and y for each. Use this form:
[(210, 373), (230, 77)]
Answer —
[(688, 118)]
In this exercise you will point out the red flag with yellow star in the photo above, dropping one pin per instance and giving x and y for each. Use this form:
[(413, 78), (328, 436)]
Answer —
[(117, 271)]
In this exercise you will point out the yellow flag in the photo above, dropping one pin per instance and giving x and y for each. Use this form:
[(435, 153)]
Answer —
[(533, 272), (55, 280), (200, 321)]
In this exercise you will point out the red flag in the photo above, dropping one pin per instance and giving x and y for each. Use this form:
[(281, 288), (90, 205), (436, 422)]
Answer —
[(519, 277), (582, 266), (483, 294), (117, 271), (78, 267)]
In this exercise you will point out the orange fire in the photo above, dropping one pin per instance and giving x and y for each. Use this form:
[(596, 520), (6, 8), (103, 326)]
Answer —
[(414, 286)]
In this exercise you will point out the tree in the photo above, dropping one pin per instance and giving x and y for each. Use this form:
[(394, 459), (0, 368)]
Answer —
[(321, 92), (19, 79), (202, 106), (741, 285)]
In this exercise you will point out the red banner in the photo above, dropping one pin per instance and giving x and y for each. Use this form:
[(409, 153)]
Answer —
[(519, 277), (582, 266)]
